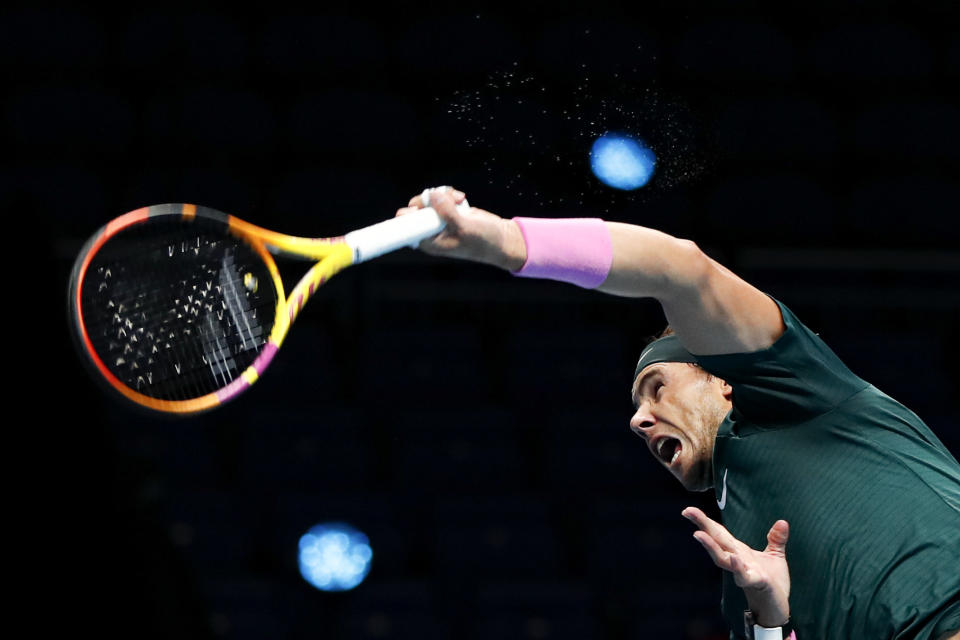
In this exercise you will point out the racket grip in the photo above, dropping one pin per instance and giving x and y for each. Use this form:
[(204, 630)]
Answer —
[(396, 233)]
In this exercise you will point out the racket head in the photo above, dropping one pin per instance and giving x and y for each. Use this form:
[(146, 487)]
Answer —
[(173, 309)]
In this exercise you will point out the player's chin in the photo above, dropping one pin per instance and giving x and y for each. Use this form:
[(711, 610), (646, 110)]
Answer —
[(696, 477)]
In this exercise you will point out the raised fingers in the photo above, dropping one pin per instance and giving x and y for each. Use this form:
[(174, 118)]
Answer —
[(714, 530), (721, 557)]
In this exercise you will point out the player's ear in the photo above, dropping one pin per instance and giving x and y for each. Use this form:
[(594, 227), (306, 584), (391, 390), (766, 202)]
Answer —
[(726, 390)]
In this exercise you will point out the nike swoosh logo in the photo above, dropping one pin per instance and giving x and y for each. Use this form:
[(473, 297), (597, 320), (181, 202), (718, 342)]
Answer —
[(722, 502)]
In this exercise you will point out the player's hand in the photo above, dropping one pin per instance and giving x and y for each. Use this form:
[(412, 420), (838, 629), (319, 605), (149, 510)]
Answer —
[(763, 575), (474, 234)]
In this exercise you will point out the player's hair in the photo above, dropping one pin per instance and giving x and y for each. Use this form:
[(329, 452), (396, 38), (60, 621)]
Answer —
[(667, 331)]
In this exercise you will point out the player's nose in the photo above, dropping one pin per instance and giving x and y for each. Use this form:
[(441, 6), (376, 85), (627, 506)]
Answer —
[(642, 421)]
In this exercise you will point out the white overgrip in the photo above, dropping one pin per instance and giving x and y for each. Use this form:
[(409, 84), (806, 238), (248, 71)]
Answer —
[(404, 231)]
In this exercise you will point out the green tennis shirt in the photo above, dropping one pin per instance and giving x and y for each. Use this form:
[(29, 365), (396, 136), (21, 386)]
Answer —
[(871, 495)]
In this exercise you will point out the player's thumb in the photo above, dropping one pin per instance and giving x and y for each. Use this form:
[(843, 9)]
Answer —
[(777, 538)]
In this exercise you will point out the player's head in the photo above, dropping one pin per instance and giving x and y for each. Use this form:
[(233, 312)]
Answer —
[(679, 409)]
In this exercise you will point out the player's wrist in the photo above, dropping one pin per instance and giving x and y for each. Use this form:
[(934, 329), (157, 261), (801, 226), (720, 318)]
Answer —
[(757, 629), (767, 611), (574, 250), (769, 606), (513, 249)]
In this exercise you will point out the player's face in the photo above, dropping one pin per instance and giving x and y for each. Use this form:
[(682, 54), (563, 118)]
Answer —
[(679, 409)]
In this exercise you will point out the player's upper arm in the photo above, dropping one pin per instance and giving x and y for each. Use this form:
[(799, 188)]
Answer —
[(722, 313), (712, 310)]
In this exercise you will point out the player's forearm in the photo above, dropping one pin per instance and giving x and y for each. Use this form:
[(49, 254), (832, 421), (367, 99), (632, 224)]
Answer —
[(616, 258), (645, 262), (650, 263)]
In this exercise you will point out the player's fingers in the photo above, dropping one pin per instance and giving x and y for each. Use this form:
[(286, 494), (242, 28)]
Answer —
[(777, 538), (456, 194), (446, 207), (721, 557), (404, 211), (418, 200), (715, 530)]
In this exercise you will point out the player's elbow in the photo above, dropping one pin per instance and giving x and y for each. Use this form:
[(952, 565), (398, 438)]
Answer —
[(695, 268)]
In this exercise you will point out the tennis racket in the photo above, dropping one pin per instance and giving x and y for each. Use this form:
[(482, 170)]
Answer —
[(180, 308)]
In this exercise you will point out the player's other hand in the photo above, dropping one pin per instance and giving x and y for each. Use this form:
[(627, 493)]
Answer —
[(763, 575), (473, 234)]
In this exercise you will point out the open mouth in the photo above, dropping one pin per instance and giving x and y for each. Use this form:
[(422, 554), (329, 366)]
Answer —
[(668, 450)]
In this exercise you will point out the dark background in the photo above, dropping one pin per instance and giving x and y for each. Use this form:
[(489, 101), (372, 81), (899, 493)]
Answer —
[(474, 425)]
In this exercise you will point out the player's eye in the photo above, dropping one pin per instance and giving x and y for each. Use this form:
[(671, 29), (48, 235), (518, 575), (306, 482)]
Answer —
[(656, 390)]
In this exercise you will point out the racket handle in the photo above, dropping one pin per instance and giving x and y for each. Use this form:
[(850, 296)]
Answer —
[(396, 233)]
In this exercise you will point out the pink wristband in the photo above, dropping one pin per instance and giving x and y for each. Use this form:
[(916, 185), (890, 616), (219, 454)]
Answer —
[(575, 250)]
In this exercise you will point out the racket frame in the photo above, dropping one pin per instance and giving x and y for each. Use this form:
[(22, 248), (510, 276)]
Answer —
[(331, 255)]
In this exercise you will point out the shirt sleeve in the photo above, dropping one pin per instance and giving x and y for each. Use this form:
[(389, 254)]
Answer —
[(794, 380)]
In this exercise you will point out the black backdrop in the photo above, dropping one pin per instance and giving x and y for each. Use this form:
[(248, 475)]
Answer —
[(473, 424)]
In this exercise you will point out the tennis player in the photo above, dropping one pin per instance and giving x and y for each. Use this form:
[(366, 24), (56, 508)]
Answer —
[(741, 398)]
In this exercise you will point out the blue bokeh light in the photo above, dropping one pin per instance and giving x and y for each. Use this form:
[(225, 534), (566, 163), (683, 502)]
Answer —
[(334, 556), (621, 161)]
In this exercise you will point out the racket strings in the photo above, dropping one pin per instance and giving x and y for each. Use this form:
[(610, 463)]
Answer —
[(192, 333), (176, 310)]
